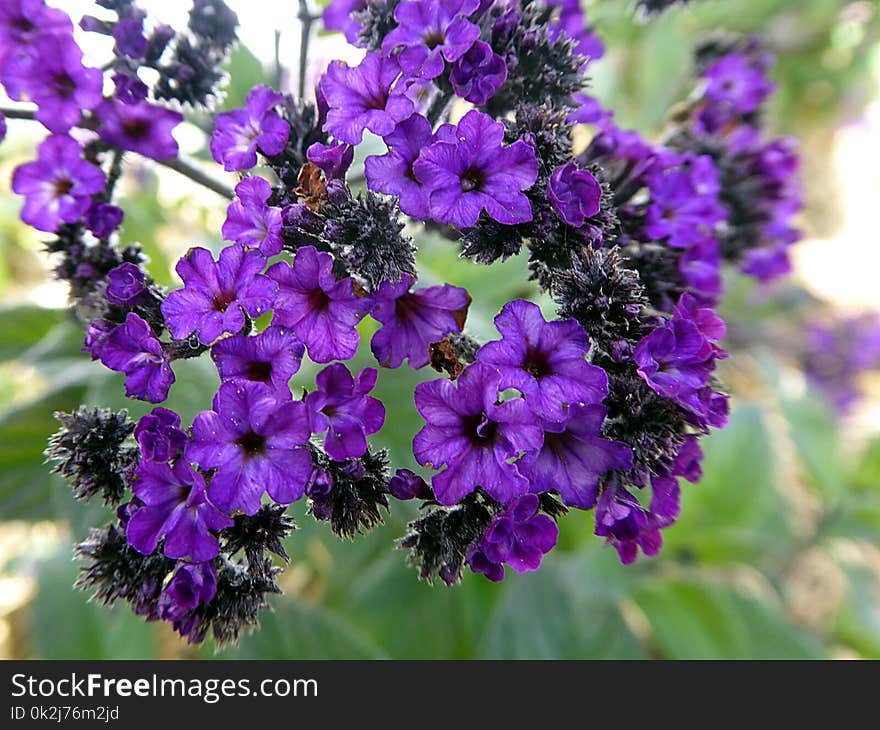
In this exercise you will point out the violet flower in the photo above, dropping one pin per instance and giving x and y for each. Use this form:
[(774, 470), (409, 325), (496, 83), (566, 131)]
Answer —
[(140, 127), (256, 443), (364, 97), (322, 311), (478, 74), (270, 357), (574, 194), (574, 455), (250, 221), (238, 134), (217, 294), (126, 285), (341, 407), (476, 173), (473, 435), (545, 361), (429, 31), (413, 320), (58, 186), (176, 507), (133, 349), (159, 435)]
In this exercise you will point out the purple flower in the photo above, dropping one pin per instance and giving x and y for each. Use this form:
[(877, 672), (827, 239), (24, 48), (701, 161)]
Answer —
[(429, 31), (733, 80), (270, 357), (176, 507), (103, 218), (519, 537), (256, 443), (478, 74), (322, 311), (54, 78), (216, 295), (677, 359), (334, 158), (250, 221), (338, 16), (22, 22), (626, 525), (58, 186), (574, 455), (475, 173), (406, 484), (574, 194), (413, 320), (141, 127), (392, 173), (341, 406), (545, 361), (133, 349), (159, 435), (190, 586), (362, 98), (126, 285), (573, 23), (240, 133), (687, 463), (129, 88), (473, 435), (97, 333), (129, 36)]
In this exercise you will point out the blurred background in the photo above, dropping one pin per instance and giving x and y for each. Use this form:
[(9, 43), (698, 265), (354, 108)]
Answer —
[(777, 552)]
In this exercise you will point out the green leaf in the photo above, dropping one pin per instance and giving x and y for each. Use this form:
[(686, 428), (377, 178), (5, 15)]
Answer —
[(695, 619), (736, 512), (22, 327), (26, 487), (569, 609), (814, 432), (295, 630), (65, 625)]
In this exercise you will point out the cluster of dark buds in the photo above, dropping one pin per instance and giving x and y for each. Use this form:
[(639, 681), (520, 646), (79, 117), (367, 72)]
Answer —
[(599, 407)]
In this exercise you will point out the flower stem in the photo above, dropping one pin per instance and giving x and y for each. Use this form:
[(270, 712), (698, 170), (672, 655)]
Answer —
[(178, 164)]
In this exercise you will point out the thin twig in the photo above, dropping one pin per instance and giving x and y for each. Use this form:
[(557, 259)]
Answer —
[(178, 164), (306, 19)]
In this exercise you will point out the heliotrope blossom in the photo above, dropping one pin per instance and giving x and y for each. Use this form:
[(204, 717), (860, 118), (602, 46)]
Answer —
[(518, 537), (140, 127), (132, 348), (217, 294), (573, 456), (159, 435), (54, 77), (574, 194), (392, 173), (341, 407), (476, 172), (250, 221), (271, 357), (240, 133), (126, 285), (429, 31), (370, 96), (473, 435), (413, 320), (175, 507), (256, 443), (322, 311), (58, 186), (478, 74), (545, 361)]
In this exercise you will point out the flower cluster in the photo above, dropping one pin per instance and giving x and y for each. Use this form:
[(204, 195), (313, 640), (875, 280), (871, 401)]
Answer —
[(597, 405)]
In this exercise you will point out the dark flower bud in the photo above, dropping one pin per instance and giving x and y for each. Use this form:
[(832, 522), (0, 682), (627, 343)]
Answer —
[(350, 493), (439, 542), (90, 452), (406, 484), (256, 534)]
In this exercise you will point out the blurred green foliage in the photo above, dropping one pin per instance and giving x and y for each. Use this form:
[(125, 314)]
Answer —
[(776, 552)]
